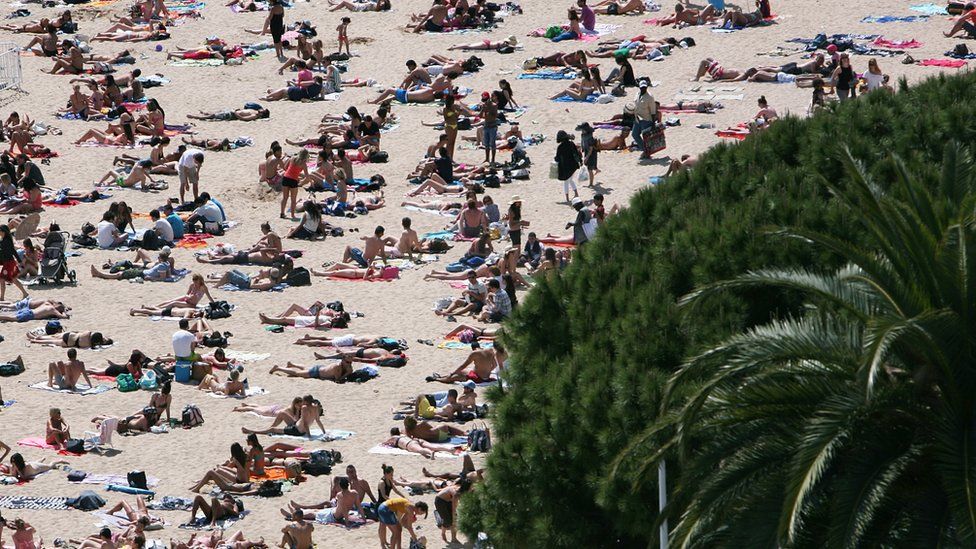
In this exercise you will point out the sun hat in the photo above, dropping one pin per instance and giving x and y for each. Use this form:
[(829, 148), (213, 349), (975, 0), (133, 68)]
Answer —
[(512, 40), (630, 107), (515, 198)]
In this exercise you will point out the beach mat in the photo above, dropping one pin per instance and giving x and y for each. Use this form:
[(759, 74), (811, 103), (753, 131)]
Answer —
[(34, 503), (81, 389), (328, 436)]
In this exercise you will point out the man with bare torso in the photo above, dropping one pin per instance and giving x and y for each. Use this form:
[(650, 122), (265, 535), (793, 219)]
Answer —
[(409, 240), (298, 534), (67, 374), (435, 19), (356, 485), (482, 361), (374, 246)]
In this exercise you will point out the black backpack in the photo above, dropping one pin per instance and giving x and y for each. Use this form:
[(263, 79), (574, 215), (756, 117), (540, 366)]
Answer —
[(162, 376), (216, 339), (299, 276), (479, 440), (379, 157), (191, 416), (392, 362), (438, 246), (150, 241), (320, 462), (8, 369), (270, 489), (336, 306), (75, 446), (137, 479), (217, 309)]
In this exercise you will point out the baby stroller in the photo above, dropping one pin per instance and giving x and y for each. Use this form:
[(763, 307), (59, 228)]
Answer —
[(54, 263)]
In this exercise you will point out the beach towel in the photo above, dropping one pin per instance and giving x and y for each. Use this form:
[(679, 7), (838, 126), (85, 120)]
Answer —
[(246, 356), (93, 478), (548, 75), (456, 344), (392, 451), (39, 442), (7, 403), (328, 436), (121, 522), (170, 503), (566, 99), (948, 63), (250, 391), (929, 9), (232, 288), (271, 473), (34, 503), (80, 389), (896, 44), (451, 214), (201, 523), (196, 62), (438, 235), (894, 19), (194, 241)]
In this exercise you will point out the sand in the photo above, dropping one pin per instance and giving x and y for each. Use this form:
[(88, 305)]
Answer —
[(400, 309)]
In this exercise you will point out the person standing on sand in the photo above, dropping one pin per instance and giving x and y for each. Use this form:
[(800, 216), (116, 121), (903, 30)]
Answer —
[(188, 169)]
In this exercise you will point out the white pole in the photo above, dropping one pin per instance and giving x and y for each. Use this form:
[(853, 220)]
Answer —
[(662, 501)]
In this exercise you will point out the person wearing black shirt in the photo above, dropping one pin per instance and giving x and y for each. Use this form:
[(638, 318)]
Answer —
[(444, 166), (8, 262), (29, 171), (369, 132)]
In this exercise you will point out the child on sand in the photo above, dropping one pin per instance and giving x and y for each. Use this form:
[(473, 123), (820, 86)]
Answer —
[(343, 29)]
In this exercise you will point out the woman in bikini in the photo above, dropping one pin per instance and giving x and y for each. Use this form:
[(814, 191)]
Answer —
[(153, 122), (73, 63), (295, 170), (25, 471), (342, 270), (30, 201), (717, 73), (415, 445), (47, 45), (579, 91), (197, 290), (299, 425), (233, 475), (233, 386), (486, 44), (78, 340)]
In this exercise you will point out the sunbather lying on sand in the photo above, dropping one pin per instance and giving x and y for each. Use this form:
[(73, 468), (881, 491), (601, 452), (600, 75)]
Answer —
[(333, 372), (233, 386), (683, 16)]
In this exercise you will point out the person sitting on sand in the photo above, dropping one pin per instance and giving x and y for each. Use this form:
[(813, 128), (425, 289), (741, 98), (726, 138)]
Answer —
[(336, 510), (483, 363), (56, 432), (72, 63), (625, 7), (243, 115), (965, 22), (78, 340), (683, 16), (234, 473), (194, 293), (579, 91), (296, 426), (433, 21), (425, 406), (224, 507), (686, 161), (310, 92), (233, 385), (65, 375), (737, 19)]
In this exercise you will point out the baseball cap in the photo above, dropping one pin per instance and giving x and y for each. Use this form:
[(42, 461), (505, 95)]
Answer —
[(831, 49), (469, 385), (485, 95), (577, 200)]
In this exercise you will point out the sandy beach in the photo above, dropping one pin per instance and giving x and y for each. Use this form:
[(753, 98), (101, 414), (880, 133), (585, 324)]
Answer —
[(399, 309)]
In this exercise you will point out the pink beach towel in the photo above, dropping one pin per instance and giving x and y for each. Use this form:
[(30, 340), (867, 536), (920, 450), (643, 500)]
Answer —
[(950, 63), (896, 44)]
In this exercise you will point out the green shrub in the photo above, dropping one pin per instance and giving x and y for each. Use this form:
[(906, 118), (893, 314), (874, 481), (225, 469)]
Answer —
[(592, 350)]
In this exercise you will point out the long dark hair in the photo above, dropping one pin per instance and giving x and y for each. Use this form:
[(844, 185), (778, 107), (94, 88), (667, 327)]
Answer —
[(153, 105), (510, 289), (238, 454), (515, 212), (7, 248)]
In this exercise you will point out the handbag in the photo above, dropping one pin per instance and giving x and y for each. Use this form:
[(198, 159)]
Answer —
[(554, 170)]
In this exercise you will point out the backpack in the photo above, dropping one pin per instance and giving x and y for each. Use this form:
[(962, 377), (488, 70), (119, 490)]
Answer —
[(379, 157), (479, 440), (336, 306), (162, 376), (150, 241), (137, 479), (86, 501), (320, 462), (438, 246), (961, 50), (215, 339), (191, 416), (392, 362), (390, 344), (217, 309), (8, 369), (75, 446), (126, 383), (299, 276), (270, 489), (507, 48)]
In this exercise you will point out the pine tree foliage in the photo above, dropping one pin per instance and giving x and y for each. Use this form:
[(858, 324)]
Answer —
[(590, 406)]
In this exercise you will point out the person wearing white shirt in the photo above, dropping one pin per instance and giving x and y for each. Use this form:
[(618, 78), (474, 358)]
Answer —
[(645, 113), (162, 227), (207, 212), (188, 169), (184, 342), (108, 234)]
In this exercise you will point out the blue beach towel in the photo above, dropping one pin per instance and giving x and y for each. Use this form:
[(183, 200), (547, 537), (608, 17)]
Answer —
[(929, 9), (894, 19), (566, 99)]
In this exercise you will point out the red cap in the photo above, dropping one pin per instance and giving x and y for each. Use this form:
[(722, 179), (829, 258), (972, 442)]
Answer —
[(485, 95), (831, 49)]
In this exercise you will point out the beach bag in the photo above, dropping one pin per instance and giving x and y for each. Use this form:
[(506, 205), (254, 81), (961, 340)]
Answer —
[(392, 362), (582, 175), (507, 48), (619, 91), (270, 489), (191, 416), (379, 157), (961, 50), (75, 446), (215, 339), (654, 141), (77, 476), (299, 276), (553, 31), (217, 309), (137, 479), (456, 268), (336, 306), (320, 462), (479, 440), (438, 246), (8, 369), (86, 501), (126, 383), (53, 327), (162, 376), (554, 170), (148, 380), (589, 228), (150, 241)]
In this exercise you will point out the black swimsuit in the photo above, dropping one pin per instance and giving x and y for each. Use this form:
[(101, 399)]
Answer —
[(277, 26)]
